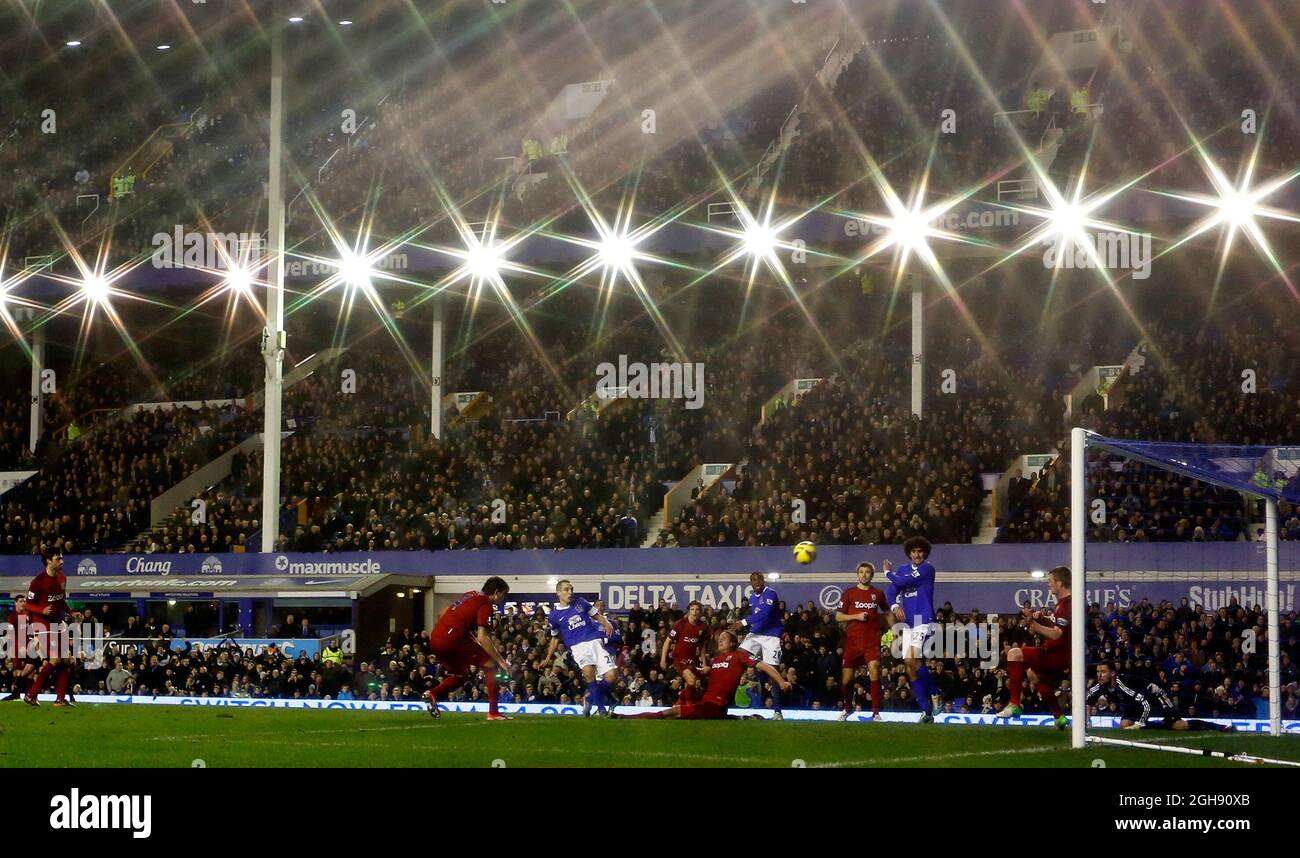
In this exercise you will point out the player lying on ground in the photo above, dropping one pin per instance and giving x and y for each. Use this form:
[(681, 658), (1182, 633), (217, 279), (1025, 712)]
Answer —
[(47, 607), (861, 611), (764, 626), (725, 671), (686, 640), (1048, 664), (1150, 709), (461, 642), (23, 664), (912, 598), (584, 629)]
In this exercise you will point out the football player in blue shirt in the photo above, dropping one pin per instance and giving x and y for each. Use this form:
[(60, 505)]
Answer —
[(912, 587), (764, 625), (583, 628)]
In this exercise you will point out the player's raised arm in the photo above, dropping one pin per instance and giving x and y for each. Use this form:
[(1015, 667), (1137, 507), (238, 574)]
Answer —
[(597, 613)]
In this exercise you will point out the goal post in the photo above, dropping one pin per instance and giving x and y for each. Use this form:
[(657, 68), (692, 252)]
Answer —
[(1266, 473)]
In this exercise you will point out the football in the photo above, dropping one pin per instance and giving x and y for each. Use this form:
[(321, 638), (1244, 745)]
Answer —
[(805, 552)]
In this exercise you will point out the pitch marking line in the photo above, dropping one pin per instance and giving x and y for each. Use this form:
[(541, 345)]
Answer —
[(1037, 749)]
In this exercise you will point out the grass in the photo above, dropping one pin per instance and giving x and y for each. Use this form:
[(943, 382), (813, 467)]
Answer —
[(166, 736)]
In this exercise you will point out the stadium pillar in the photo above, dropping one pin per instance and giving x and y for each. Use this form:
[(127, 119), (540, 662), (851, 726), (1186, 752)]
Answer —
[(435, 406), (273, 338), (918, 351), (1271, 599), (246, 617), (38, 405), (1078, 587)]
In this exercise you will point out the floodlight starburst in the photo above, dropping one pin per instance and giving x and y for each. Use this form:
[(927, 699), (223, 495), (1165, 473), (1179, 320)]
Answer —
[(1069, 215), (1237, 207), (95, 288)]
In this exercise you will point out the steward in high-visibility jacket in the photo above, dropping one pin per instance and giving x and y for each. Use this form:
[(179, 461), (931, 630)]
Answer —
[(332, 654)]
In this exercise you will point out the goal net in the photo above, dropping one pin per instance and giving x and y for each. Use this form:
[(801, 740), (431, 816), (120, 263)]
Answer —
[(1188, 558)]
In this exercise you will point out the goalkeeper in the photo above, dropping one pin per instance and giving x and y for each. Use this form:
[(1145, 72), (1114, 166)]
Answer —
[(1149, 709)]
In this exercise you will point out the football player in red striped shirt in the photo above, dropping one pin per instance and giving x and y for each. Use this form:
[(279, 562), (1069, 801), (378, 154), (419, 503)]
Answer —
[(686, 639), (861, 610), (461, 642), (47, 606), (725, 671)]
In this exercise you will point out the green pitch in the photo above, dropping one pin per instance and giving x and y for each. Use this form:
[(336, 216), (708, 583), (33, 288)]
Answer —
[(114, 735)]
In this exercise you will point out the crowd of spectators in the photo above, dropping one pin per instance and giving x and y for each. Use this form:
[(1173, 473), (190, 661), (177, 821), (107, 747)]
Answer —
[(95, 493), (1187, 387), (909, 70)]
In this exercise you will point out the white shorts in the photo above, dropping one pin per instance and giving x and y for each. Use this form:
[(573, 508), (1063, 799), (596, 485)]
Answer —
[(766, 648), (915, 638), (593, 654)]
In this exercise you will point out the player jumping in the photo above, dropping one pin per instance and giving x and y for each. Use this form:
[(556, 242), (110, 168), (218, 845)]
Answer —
[(860, 610), (725, 671), (47, 606), (1149, 709), (686, 640), (1047, 664), (764, 625), (461, 642), (583, 628), (913, 602)]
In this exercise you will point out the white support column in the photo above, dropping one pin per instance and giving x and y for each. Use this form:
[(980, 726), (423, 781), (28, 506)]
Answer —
[(918, 351), (1271, 600), (439, 338), (38, 400), (1078, 587), (273, 337)]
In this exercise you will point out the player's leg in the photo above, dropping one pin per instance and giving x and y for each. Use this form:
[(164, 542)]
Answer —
[(690, 685), (450, 682), (17, 672), (1181, 724), (42, 676), (607, 682), (873, 670), (493, 690), (456, 668), (1046, 684), (1015, 680), (847, 673), (62, 679), (666, 714), (772, 655), (752, 645), (918, 676)]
